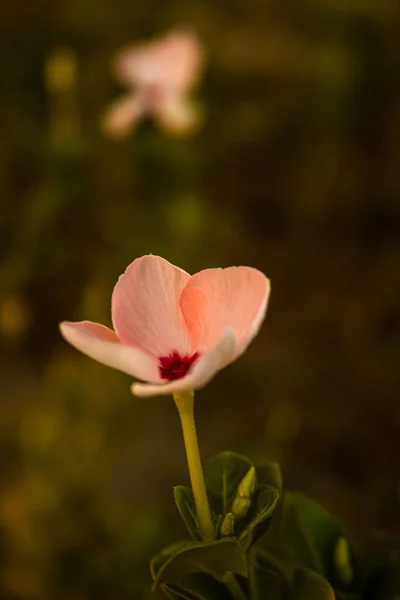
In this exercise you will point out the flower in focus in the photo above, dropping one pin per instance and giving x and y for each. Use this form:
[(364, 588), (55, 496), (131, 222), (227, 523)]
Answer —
[(172, 330), (160, 75)]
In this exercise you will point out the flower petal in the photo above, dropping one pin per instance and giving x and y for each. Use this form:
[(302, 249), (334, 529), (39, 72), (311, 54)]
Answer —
[(183, 58), (172, 61), (140, 65), (103, 345), (123, 115), (216, 298), (176, 114), (199, 375), (145, 307)]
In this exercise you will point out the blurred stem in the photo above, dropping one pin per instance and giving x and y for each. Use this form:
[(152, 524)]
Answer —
[(185, 402), (60, 76)]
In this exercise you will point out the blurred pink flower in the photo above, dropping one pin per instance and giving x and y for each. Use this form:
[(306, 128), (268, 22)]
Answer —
[(173, 330), (160, 75)]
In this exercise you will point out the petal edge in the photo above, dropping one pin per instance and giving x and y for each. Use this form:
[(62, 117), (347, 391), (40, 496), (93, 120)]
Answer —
[(102, 344), (216, 298), (145, 306)]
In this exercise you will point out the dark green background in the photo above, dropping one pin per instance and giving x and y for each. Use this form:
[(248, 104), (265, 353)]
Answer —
[(296, 172)]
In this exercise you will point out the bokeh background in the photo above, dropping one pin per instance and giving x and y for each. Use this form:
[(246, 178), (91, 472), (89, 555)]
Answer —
[(296, 172)]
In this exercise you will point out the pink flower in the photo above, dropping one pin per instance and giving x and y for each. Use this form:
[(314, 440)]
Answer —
[(160, 74), (173, 330)]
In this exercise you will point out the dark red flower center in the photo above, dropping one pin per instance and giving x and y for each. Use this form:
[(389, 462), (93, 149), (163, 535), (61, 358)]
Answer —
[(175, 366)]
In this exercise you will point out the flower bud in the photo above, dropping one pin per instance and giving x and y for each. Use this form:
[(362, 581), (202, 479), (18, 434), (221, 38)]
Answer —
[(228, 525), (241, 503), (342, 560)]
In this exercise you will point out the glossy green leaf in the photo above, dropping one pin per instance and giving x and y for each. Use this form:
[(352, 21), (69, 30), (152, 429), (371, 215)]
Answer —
[(328, 537), (223, 474), (308, 585), (304, 534), (267, 580), (269, 473), (196, 586), (174, 592), (184, 500), (164, 556), (214, 558), (257, 521)]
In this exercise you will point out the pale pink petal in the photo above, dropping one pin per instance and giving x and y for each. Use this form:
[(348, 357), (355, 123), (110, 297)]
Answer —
[(141, 65), (103, 345), (176, 114), (123, 115), (199, 375), (145, 307), (216, 298), (172, 61), (183, 59)]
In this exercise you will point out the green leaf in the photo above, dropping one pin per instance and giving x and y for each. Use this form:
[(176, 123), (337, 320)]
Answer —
[(269, 473), (267, 580), (197, 586), (186, 505), (264, 503), (304, 534), (307, 585), (329, 539), (164, 556), (174, 592), (214, 558), (223, 474)]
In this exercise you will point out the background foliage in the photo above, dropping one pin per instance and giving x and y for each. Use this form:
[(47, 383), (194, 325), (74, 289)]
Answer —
[(296, 172)]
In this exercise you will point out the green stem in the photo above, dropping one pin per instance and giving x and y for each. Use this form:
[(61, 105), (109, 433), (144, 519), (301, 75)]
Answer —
[(234, 587), (184, 402)]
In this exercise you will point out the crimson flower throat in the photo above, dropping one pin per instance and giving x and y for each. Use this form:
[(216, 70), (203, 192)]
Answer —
[(175, 366)]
